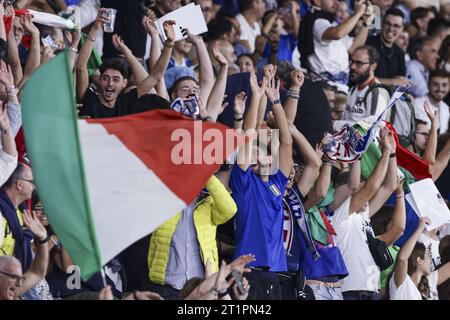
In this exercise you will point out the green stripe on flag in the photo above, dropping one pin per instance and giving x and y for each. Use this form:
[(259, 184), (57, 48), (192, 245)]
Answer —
[(51, 135)]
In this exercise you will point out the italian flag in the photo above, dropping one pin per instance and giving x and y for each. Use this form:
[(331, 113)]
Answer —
[(106, 183)]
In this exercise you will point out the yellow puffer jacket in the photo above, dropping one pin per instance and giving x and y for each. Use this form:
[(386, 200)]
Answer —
[(217, 208), (8, 242)]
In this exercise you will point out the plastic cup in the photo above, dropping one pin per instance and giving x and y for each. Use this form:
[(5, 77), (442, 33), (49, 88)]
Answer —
[(111, 15)]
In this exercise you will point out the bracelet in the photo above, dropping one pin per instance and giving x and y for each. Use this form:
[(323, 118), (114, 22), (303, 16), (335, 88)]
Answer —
[(223, 293), (238, 119), (392, 155), (168, 45), (400, 196), (13, 91), (43, 241), (272, 103), (73, 49), (214, 292), (90, 38)]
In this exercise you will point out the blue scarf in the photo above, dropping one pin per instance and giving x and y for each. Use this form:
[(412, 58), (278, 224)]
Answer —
[(22, 246), (298, 212)]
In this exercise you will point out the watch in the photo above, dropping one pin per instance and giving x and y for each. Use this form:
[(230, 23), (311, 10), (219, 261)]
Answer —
[(272, 103), (214, 292)]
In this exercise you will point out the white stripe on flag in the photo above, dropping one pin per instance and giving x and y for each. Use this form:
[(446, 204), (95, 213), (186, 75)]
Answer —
[(128, 201)]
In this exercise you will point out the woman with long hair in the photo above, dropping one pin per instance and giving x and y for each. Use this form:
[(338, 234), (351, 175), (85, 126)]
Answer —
[(412, 278)]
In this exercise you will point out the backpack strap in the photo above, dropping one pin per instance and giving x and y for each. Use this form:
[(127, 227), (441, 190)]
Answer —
[(374, 100)]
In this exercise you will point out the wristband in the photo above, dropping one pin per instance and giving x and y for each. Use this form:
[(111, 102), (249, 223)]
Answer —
[(272, 103), (168, 45), (392, 155), (238, 119), (222, 293), (43, 241)]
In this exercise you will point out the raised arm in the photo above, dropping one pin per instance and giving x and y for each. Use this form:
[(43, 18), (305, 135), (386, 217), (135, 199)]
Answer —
[(155, 51), (206, 72), (34, 54), (137, 69), (370, 188), (215, 100), (239, 110), (76, 37), (160, 67), (291, 104), (390, 181), (13, 54), (85, 53), (401, 266), (429, 155), (285, 151), (344, 28), (441, 162), (2, 24), (363, 32), (346, 190), (249, 126), (312, 161), (398, 222), (38, 267), (8, 142)]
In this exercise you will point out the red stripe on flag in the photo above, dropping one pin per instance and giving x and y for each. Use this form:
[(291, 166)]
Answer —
[(408, 160), (148, 136)]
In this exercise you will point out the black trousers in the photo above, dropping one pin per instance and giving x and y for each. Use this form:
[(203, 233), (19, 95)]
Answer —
[(264, 285)]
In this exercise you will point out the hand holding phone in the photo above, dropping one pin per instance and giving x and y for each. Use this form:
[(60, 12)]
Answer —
[(238, 279)]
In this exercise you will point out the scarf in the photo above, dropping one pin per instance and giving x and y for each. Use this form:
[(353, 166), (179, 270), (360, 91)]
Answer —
[(305, 37), (22, 246), (297, 210)]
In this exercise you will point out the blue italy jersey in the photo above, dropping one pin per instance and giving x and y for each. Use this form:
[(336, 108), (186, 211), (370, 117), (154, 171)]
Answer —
[(259, 220)]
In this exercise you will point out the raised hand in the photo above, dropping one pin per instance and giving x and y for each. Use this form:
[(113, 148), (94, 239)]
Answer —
[(257, 90), (297, 79), (240, 262), (32, 222), (6, 76), (28, 25), (47, 55), (120, 45), (239, 104), (400, 183), (105, 294), (429, 112), (218, 55), (149, 26), (169, 30), (269, 71), (424, 222), (101, 19), (273, 90), (147, 295)]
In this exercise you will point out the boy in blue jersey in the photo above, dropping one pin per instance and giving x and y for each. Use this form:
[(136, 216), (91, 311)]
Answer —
[(259, 196)]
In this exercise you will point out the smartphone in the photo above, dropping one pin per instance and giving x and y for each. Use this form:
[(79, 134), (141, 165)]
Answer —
[(238, 279)]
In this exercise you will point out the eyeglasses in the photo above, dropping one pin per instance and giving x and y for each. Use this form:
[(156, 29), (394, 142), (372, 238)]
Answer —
[(28, 180), (358, 64), (14, 277), (396, 26)]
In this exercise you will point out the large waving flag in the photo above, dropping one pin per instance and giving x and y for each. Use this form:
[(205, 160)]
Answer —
[(106, 183)]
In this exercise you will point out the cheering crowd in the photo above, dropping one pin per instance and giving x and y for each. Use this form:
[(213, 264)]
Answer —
[(318, 226)]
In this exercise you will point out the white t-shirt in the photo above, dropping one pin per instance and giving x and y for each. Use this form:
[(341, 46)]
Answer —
[(329, 56), (357, 109), (248, 32), (440, 110), (352, 241), (408, 290)]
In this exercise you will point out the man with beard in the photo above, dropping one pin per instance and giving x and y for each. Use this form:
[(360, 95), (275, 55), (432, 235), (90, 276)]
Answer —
[(365, 97), (391, 69), (109, 100), (438, 86)]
